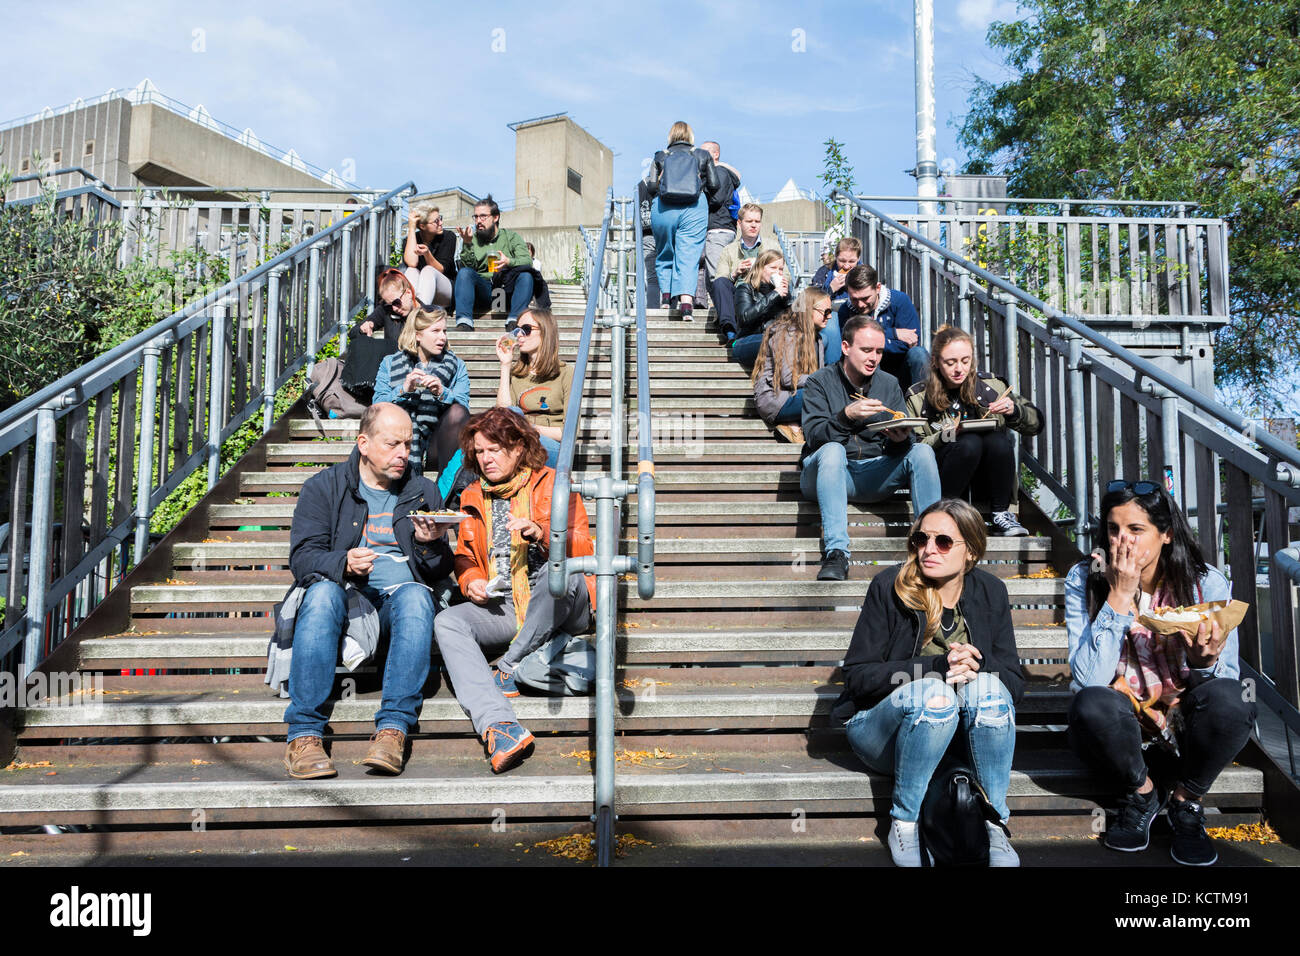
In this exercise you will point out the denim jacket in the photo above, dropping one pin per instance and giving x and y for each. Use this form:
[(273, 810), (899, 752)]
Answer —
[(1095, 644)]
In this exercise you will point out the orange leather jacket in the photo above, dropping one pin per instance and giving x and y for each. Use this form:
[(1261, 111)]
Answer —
[(472, 544)]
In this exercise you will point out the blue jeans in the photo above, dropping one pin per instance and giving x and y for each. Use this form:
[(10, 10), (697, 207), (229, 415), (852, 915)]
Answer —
[(405, 618), (792, 410), (550, 444), (907, 733), (832, 480), (679, 243), (745, 349), (474, 291)]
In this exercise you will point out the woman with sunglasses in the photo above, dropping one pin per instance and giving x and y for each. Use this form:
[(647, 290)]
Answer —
[(933, 657), (432, 384), (430, 256), (790, 350), (956, 394), (536, 385), (762, 296), (1181, 694)]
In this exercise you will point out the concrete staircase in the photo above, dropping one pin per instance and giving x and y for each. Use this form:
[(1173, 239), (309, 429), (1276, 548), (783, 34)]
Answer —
[(727, 674)]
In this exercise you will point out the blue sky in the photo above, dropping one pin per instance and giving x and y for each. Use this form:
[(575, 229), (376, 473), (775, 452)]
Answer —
[(419, 93)]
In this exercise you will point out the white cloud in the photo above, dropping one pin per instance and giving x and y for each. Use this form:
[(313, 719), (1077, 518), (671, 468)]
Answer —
[(978, 14)]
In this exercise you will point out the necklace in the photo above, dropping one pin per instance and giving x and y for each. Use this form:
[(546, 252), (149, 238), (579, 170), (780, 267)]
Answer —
[(948, 628)]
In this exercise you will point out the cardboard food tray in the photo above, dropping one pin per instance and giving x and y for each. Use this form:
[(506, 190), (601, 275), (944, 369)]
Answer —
[(980, 424), (1227, 612), (894, 423)]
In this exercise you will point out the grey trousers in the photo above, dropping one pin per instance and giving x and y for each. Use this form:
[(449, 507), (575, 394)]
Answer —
[(715, 240), (469, 635), (652, 293)]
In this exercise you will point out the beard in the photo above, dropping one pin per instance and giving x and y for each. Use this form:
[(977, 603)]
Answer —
[(486, 233)]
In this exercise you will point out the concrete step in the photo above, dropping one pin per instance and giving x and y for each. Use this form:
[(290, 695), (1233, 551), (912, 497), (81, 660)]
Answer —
[(733, 784), (204, 649)]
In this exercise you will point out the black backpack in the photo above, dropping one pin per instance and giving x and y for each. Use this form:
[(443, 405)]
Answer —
[(951, 830), (680, 185)]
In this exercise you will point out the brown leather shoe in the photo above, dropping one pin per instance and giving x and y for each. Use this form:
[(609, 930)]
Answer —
[(387, 751), (306, 759)]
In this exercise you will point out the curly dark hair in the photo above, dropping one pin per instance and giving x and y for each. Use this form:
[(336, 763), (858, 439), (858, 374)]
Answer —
[(502, 427)]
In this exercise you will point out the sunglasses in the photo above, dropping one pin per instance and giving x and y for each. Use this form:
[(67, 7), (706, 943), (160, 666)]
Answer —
[(942, 542), (1140, 488), (522, 330), (395, 303), (824, 312)]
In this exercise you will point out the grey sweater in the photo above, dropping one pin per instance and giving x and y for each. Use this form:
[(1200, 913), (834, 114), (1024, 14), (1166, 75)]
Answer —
[(770, 395)]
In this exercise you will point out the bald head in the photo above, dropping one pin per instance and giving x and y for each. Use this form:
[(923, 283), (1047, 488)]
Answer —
[(712, 149), (384, 441)]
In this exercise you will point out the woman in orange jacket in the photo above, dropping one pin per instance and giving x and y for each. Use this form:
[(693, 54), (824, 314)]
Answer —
[(501, 567)]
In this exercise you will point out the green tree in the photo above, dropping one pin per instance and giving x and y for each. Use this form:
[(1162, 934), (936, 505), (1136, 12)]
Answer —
[(1166, 100), (836, 171)]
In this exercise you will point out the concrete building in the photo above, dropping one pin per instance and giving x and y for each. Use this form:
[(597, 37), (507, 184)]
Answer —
[(562, 174), (141, 138)]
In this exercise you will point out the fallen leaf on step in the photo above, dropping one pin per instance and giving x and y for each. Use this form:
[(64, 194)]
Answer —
[(287, 847), (200, 763)]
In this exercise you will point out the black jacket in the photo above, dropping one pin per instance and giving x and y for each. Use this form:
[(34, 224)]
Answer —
[(704, 163), (757, 307), (827, 392), (885, 650), (331, 516), (720, 200)]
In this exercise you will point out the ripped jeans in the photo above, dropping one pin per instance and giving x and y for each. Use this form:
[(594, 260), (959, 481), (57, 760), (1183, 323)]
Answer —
[(907, 733)]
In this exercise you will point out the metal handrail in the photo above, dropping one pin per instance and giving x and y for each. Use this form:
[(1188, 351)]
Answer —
[(74, 381), (1013, 200), (1288, 473), (219, 384), (608, 490)]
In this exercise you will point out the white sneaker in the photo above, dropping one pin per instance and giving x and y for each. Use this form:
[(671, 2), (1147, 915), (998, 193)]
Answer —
[(904, 843), (1005, 525), (1000, 851)]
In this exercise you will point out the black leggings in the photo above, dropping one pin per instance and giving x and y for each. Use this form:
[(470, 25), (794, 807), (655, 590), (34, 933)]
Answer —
[(1217, 721), (437, 449), (980, 461)]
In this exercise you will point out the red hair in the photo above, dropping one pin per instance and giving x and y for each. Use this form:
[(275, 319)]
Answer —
[(502, 427)]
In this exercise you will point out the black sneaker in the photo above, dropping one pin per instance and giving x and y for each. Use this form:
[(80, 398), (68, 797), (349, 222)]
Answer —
[(1192, 846), (835, 567), (1132, 828)]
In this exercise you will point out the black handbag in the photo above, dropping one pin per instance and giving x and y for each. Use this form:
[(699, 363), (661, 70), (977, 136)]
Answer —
[(953, 814), (362, 364)]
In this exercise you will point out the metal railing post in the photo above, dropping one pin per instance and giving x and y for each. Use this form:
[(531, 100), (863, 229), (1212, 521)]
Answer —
[(622, 261), (1081, 477), (313, 308), (270, 367), (345, 287), (1170, 441), (148, 423), (372, 250), (217, 395), (609, 565), (38, 564), (963, 301)]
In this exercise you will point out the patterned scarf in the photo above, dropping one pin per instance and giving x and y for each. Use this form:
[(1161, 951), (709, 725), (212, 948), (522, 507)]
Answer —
[(424, 409), (1152, 672), (509, 555)]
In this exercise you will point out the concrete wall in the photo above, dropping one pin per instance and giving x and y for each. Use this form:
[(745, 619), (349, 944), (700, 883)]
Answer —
[(544, 153), (104, 128), (170, 150), (146, 145)]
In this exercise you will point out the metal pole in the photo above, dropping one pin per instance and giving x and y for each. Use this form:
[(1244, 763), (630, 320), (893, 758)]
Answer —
[(38, 564), (1078, 448), (372, 263), (148, 420), (963, 301), (609, 564), (1169, 438), (313, 307), (269, 367), (927, 169), (1012, 352), (622, 265), (927, 305), (345, 289), (217, 395)]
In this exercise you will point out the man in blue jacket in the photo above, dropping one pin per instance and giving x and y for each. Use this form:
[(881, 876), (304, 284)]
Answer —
[(905, 357), (353, 527)]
